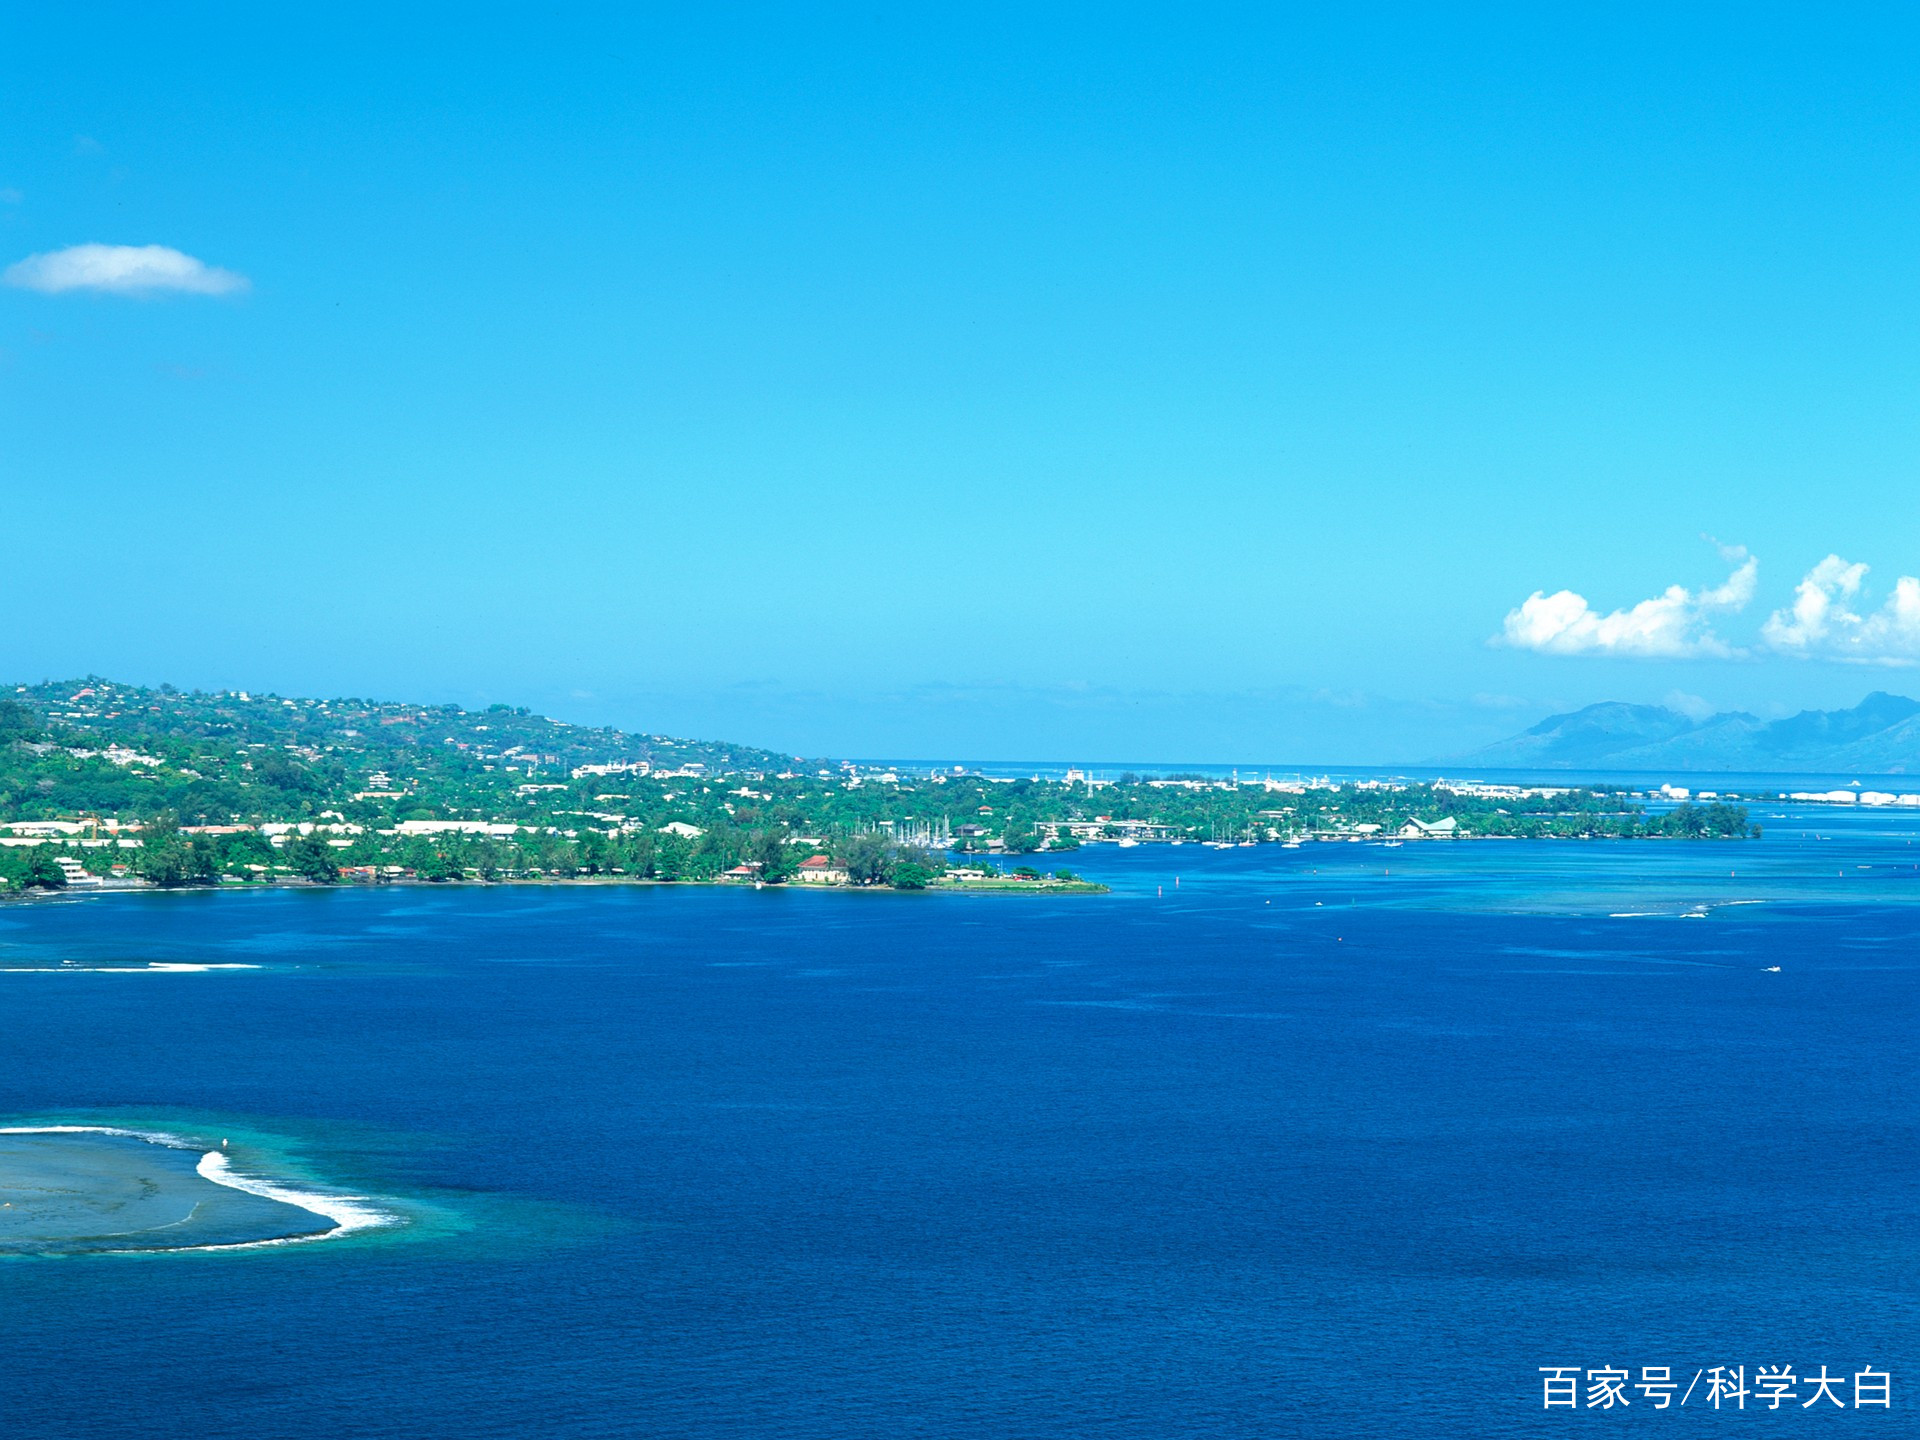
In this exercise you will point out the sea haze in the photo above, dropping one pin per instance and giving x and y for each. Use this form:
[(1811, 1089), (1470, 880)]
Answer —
[(1339, 1141), (1880, 735)]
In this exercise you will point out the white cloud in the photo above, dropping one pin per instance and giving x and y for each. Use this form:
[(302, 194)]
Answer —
[(121, 270), (1673, 625), (1823, 622)]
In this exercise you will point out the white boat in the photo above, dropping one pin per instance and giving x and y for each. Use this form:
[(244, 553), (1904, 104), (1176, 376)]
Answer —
[(1128, 843)]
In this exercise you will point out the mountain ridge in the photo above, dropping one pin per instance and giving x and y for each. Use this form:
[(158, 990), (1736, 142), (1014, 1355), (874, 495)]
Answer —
[(1880, 735)]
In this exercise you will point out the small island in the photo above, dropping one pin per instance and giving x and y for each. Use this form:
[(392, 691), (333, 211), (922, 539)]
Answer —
[(107, 784)]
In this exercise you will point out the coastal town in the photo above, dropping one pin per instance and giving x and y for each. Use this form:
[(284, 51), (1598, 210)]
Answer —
[(103, 784)]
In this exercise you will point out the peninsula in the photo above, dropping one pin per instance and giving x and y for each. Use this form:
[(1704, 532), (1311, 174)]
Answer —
[(104, 783)]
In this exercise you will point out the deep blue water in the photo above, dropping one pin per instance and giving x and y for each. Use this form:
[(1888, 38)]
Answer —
[(1341, 1141)]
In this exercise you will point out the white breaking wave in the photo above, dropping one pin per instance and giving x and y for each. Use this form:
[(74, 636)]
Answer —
[(152, 967), (349, 1213)]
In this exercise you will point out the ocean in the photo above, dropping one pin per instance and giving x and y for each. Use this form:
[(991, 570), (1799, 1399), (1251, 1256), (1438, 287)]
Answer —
[(1348, 1140)]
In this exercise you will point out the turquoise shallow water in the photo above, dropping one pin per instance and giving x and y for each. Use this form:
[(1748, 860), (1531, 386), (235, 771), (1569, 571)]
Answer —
[(67, 1190), (1329, 1142)]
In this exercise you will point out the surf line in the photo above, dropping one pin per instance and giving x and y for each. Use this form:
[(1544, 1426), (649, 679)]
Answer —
[(349, 1213), (152, 967)]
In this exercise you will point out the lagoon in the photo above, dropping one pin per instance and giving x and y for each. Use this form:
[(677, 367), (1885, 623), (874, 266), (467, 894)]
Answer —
[(1343, 1141)]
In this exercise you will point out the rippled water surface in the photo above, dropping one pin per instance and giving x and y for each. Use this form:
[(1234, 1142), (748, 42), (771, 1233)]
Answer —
[(1335, 1141)]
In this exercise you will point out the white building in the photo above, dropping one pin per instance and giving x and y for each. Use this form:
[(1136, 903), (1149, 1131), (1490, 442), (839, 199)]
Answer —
[(622, 767), (451, 827), (819, 870), (75, 872)]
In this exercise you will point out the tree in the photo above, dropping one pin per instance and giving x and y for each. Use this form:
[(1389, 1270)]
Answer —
[(671, 857), (248, 847), (868, 858), (556, 855), (769, 850), (640, 851), (595, 852), (486, 858), (437, 862), (17, 722), (170, 859), (41, 870), (911, 875), (311, 858), (275, 769), (714, 852), (1019, 840)]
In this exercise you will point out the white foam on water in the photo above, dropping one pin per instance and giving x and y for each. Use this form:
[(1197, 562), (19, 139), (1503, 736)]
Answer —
[(152, 1137), (349, 1213), (152, 967)]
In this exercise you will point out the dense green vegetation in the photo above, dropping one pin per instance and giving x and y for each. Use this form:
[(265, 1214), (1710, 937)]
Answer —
[(367, 789)]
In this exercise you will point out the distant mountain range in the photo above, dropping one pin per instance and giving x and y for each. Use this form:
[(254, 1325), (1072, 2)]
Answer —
[(1880, 735)]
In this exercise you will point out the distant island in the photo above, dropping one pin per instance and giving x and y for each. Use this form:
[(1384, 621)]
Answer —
[(1879, 736), (104, 783)]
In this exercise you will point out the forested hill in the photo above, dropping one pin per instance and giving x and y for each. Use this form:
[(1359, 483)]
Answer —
[(234, 754), (129, 784)]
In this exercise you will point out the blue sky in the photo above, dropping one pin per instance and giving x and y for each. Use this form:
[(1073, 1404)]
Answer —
[(1075, 384)]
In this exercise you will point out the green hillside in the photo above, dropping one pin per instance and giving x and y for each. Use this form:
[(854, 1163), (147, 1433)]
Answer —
[(178, 787)]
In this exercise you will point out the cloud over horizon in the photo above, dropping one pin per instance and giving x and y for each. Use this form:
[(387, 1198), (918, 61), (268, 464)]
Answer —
[(121, 270), (1823, 623), (1674, 625)]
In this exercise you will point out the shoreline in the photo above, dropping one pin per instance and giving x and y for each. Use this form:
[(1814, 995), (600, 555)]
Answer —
[(961, 887)]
